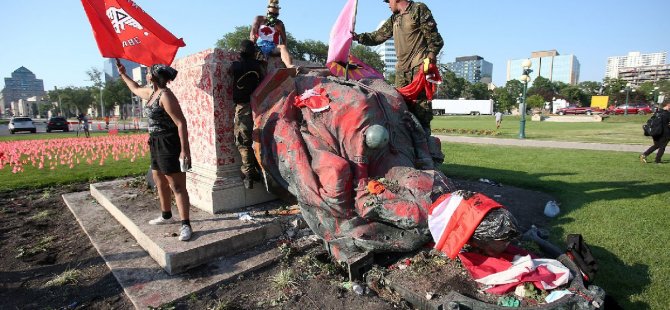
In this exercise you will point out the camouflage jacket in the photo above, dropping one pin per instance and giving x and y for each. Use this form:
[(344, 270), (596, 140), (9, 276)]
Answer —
[(414, 33)]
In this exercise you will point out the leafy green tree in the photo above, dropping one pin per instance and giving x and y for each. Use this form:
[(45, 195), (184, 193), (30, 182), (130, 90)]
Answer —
[(590, 88), (543, 87), (452, 87), (76, 99), (117, 93), (390, 78), (368, 56), (504, 101), (535, 101), (231, 40), (480, 91), (575, 95), (514, 88), (313, 50)]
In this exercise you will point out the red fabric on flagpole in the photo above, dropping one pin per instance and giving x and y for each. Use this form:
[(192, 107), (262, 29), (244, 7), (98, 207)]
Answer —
[(123, 30)]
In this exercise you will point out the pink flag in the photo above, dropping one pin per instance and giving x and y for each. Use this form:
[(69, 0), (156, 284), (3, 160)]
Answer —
[(340, 44)]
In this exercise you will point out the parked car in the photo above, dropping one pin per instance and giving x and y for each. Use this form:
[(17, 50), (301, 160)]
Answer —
[(573, 109), (57, 123), (633, 108), (17, 124)]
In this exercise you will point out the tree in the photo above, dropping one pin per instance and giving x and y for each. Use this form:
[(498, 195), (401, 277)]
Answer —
[(314, 51), (504, 101), (452, 87), (574, 94), (535, 101), (95, 76), (368, 56), (116, 92), (479, 91), (543, 87), (514, 88), (591, 88), (231, 40), (76, 99), (390, 78)]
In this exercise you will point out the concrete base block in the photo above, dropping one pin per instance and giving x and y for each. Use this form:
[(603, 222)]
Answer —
[(216, 194), (214, 236), (143, 280)]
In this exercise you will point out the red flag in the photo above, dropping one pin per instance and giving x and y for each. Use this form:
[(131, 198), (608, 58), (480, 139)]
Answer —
[(123, 30)]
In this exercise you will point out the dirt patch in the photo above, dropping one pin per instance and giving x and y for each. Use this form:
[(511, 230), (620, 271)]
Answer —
[(40, 240)]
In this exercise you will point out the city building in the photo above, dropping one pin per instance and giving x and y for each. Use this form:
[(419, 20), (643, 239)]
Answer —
[(641, 74), (547, 64), (633, 60), (472, 68), (386, 52), (22, 85), (109, 68), (139, 75)]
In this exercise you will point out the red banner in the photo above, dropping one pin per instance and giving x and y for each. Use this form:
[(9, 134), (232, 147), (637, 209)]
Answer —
[(123, 30)]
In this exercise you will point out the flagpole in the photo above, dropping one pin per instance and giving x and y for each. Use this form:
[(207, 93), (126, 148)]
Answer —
[(353, 28)]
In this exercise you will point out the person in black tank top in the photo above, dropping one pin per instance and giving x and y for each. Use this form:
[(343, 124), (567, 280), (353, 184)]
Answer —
[(168, 143)]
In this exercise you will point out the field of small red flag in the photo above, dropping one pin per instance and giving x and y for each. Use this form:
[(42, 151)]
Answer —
[(70, 152), (27, 163)]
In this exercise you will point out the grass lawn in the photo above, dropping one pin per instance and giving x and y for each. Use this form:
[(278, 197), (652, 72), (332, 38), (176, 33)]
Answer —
[(616, 129), (620, 206)]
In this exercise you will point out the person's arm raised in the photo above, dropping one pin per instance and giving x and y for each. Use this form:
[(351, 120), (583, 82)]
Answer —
[(142, 92)]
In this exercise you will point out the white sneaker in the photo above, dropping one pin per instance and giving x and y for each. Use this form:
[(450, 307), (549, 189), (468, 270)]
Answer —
[(160, 221), (185, 233)]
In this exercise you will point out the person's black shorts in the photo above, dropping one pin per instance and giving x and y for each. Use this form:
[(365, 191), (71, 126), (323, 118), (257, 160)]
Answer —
[(165, 149)]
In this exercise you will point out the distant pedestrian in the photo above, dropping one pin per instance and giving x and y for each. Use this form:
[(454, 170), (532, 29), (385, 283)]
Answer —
[(661, 140), (499, 116), (85, 124)]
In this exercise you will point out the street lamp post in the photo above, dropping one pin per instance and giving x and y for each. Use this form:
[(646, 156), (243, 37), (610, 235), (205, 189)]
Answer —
[(102, 108), (525, 78), (628, 89)]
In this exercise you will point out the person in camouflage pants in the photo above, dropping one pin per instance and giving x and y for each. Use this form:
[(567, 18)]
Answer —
[(415, 34), (247, 75)]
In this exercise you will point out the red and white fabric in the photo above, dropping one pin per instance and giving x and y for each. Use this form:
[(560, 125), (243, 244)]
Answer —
[(503, 274), (315, 99), (453, 219)]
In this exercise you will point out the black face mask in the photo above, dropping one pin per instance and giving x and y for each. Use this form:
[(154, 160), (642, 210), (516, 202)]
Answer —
[(271, 19)]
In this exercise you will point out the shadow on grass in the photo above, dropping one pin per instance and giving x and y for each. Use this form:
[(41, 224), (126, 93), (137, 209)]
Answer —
[(618, 279), (577, 193)]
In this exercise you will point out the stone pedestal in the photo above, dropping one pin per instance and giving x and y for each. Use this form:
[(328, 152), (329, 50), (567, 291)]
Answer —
[(204, 90)]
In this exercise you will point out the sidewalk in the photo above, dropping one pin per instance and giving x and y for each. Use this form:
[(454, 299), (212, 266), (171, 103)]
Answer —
[(547, 144)]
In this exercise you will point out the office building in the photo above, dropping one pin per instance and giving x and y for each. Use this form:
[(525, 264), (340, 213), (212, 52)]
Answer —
[(472, 68), (633, 60), (547, 64), (109, 68), (641, 74), (23, 84), (386, 52)]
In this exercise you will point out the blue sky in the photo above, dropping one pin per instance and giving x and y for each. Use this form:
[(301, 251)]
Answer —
[(54, 40)]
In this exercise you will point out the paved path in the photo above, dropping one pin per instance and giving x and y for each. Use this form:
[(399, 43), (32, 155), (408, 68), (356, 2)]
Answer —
[(548, 144)]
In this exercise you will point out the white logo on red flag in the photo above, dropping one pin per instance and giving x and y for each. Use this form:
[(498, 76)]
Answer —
[(120, 19)]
